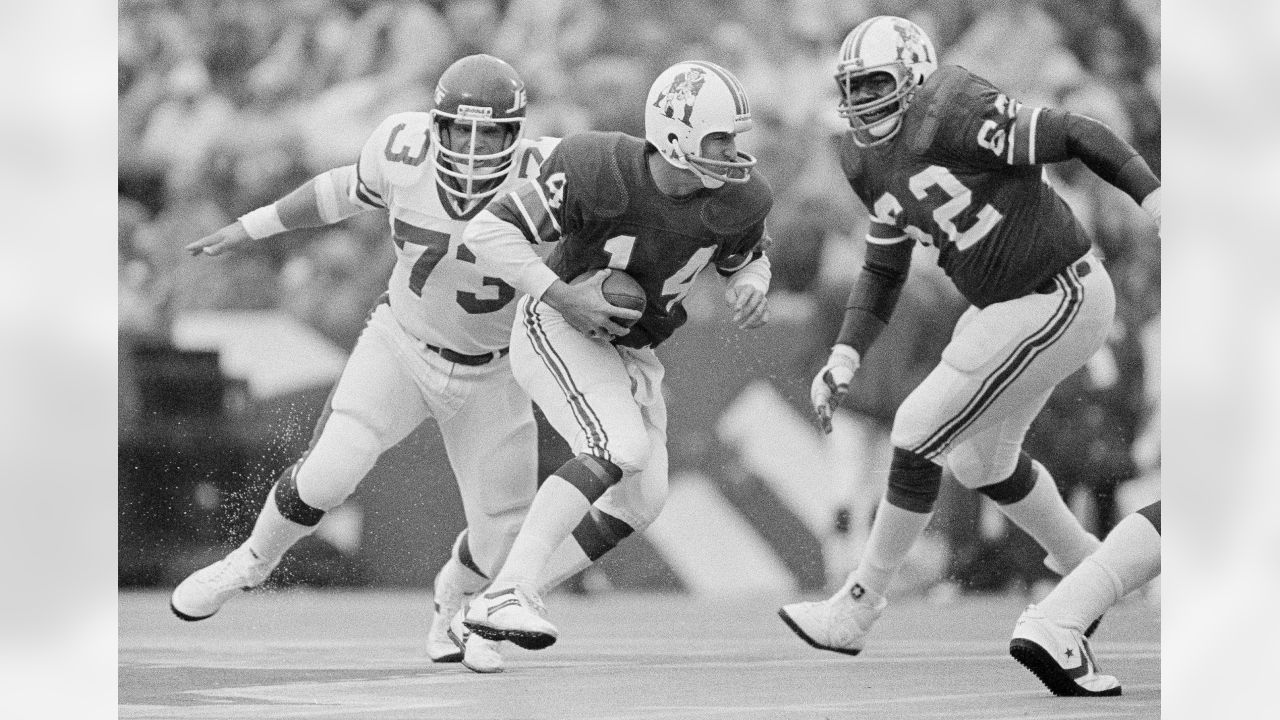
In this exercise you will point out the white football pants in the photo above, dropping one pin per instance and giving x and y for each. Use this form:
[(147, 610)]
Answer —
[(1000, 367), (604, 401), (390, 385)]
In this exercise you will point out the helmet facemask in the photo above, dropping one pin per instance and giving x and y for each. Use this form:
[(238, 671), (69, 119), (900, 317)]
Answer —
[(471, 176), (870, 123)]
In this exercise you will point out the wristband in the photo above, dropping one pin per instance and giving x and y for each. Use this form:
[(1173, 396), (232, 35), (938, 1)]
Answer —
[(263, 222)]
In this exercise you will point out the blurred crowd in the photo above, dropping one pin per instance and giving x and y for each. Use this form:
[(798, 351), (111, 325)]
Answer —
[(225, 105)]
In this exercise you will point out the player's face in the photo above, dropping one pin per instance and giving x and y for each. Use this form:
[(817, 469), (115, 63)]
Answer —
[(869, 88), (721, 146), (487, 139)]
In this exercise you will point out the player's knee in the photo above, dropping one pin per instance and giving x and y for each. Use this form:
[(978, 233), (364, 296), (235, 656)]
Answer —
[(914, 481), (1015, 485), (630, 452), (600, 532), (343, 455), (974, 469), (912, 426), (591, 475)]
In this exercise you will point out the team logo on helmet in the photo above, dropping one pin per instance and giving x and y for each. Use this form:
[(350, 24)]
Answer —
[(914, 42), (678, 98)]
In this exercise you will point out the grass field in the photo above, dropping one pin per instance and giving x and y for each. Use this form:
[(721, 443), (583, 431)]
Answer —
[(339, 654)]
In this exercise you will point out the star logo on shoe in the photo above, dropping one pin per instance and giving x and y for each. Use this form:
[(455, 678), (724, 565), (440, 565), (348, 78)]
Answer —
[(1071, 653), (857, 591)]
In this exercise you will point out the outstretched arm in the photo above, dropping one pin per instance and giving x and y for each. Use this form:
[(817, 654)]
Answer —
[(1063, 135), (322, 200)]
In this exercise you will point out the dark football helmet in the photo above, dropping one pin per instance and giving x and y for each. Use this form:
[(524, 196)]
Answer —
[(476, 91)]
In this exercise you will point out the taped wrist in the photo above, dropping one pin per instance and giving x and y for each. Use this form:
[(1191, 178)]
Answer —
[(914, 481), (590, 475), (600, 532)]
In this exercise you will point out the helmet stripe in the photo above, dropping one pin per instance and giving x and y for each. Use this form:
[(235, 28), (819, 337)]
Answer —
[(740, 105), (856, 41)]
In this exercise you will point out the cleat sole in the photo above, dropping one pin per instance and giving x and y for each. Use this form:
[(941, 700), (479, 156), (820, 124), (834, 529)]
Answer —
[(526, 639), (782, 613), (1036, 659), (189, 618)]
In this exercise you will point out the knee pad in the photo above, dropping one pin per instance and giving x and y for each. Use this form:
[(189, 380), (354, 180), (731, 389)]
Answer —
[(1017, 486), (975, 465), (290, 505), (600, 532), (914, 481), (591, 475), (343, 454)]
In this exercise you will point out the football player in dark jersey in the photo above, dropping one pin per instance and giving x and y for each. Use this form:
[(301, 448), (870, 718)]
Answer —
[(660, 211), (943, 158), (1049, 637)]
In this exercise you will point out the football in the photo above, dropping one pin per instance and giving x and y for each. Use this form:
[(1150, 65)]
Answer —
[(622, 290)]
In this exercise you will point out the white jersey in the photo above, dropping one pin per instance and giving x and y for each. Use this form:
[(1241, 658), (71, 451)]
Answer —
[(437, 291)]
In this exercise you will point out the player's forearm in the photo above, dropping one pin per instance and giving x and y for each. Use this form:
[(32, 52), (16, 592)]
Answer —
[(322, 200), (502, 251), (874, 295), (1109, 156)]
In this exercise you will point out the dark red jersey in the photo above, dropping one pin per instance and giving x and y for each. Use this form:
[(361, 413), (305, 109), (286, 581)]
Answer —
[(962, 175), (596, 196)]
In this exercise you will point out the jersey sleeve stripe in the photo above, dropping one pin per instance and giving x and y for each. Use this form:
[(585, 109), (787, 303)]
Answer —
[(1022, 136), (546, 208), (883, 233), (366, 194), (531, 230)]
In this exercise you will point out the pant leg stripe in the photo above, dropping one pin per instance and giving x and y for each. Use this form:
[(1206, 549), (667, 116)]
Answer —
[(1002, 377), (597, 439)]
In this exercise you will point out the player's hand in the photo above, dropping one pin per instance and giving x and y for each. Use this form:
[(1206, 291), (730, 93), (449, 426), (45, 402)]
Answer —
[(750, 306), (584, 307), (831, 383), (228, 238)]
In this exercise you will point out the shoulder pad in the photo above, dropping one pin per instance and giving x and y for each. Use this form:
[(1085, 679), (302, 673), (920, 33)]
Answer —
[(405, 141), (733, 209), (593, 164), (948, 97)]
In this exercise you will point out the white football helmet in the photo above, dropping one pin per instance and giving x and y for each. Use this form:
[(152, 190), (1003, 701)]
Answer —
[(689, 101), (883, 44), (474, 90)]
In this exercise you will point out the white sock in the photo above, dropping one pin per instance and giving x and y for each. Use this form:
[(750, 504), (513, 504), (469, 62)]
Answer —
[(273, 534), (1045, 516), (556, 511), (1127, 560), (460, 576), (893, 533), (568, 560)]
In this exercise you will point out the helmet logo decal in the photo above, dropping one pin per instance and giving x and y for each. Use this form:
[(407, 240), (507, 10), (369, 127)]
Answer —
[(474, 112), (912, 43), (678, 98), (519, 100)]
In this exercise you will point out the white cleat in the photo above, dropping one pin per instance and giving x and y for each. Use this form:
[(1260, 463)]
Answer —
[(1060, 656), (205, 591), (448, 597), (840, 623), (511, 613), (478, 654)]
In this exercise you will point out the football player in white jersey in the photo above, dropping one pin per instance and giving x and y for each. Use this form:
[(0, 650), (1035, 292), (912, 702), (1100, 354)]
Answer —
[(435, 344)]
